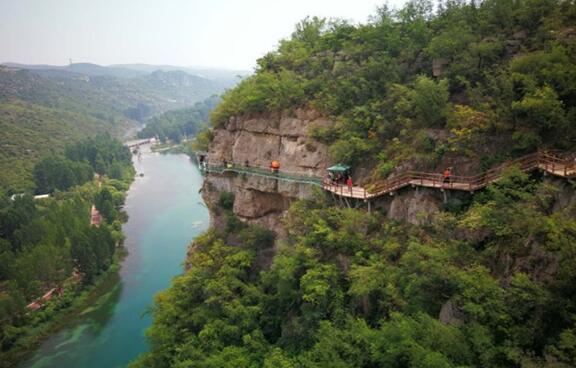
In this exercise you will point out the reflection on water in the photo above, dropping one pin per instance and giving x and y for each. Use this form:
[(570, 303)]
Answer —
[(165, 213)]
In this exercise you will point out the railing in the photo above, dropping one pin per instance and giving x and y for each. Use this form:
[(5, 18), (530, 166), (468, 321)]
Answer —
[(546, 161), (541, 160), (242, 168)]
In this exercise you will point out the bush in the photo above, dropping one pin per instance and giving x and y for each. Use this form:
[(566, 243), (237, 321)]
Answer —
[(226, 200)]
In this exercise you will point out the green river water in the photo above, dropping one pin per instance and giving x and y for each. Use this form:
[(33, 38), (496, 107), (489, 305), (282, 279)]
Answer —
[(165, 213)]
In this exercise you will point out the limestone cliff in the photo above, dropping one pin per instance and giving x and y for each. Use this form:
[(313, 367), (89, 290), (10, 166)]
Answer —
[(256, 141)]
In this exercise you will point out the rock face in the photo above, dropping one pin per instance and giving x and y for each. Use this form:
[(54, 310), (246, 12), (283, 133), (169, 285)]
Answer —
[(257, 140), (260, 139), (415, 206)]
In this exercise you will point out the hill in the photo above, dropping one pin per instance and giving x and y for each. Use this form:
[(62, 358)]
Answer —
[(183, 123), (482, 279), (481, 83), (43, 109)]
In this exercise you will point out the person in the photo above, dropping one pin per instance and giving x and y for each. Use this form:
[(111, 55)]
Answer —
[(275, 166), (447, 175), (246, 163), (349, 183)]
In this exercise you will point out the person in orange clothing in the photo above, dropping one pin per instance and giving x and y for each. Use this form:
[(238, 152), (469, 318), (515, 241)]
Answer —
[(275, 166)]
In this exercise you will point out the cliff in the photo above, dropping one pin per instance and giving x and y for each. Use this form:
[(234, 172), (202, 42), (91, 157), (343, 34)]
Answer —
[(257, 140)]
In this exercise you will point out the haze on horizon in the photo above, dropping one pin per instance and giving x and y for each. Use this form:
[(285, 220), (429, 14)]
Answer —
[(222, 34)]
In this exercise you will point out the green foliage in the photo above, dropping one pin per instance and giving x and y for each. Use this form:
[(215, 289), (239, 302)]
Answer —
[(348, 289), (44, 243), (430, 100), (264, 91), (103, 153), (177, 124), (509, 67), (226, 200), (202, 140), (32, 132), (58, 173), (541, 110)]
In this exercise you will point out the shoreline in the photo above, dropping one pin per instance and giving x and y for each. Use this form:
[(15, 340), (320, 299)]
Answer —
[(84, 300)]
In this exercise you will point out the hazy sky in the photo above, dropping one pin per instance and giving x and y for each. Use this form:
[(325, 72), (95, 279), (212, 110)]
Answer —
[(210, 33)]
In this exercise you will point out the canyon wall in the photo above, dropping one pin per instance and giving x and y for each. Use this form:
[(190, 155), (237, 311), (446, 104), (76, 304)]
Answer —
[(257, 141)]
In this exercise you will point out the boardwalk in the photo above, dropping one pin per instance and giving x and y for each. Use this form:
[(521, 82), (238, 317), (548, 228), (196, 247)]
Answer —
[(547, 162)]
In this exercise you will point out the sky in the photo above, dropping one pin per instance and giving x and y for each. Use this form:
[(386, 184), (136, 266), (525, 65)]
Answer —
[(225, 34)]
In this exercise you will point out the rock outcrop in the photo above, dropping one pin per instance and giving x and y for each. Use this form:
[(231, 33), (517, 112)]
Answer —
[(256, 141)]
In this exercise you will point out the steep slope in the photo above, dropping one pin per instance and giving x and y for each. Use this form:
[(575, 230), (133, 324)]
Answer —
[(43, 109), (255, 141), (478, 280)]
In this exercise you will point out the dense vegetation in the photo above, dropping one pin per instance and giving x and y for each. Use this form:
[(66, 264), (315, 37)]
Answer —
[(43, 110), (504, 83), (49, 243), (489, 282), (348, 289), (178, 124), (102, 155)]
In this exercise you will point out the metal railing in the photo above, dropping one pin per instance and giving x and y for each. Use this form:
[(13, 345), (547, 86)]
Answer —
[(554, 163), (242, 168)]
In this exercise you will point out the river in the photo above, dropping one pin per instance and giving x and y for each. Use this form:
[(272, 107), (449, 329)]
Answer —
[(165, 213)]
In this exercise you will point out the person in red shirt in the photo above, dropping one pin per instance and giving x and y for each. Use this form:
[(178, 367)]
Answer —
[(447, 174), (349, 183)]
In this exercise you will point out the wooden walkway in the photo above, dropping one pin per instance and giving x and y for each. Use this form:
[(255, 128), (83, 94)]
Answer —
[(547, 162)]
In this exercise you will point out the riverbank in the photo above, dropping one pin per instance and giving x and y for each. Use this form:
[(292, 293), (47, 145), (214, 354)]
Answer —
[(28, 327), (165, 212), (79, 301)]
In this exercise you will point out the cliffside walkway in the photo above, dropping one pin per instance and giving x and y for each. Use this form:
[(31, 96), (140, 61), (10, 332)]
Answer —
[(545, 161), (548, 162), (267, 173)]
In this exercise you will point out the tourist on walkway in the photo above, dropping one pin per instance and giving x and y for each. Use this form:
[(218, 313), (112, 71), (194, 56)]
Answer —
[(275, 167), (447, 175), (349, 183)]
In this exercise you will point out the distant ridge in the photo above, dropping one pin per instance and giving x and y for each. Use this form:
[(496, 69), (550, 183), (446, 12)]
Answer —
[(88, 69), (131, 70)]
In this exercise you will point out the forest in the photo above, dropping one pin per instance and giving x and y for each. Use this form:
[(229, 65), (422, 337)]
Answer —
[(43, 110), (497, 76), (487, 282), (176, 125), (49, 243), (348, 289)]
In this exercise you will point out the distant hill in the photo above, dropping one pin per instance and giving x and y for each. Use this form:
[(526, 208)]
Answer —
[(216, 74), (44, 107), (228, 77), (82, 68), (135, 94)]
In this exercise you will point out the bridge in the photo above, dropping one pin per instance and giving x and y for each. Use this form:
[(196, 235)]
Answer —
[(139, 142), (554, 164)]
